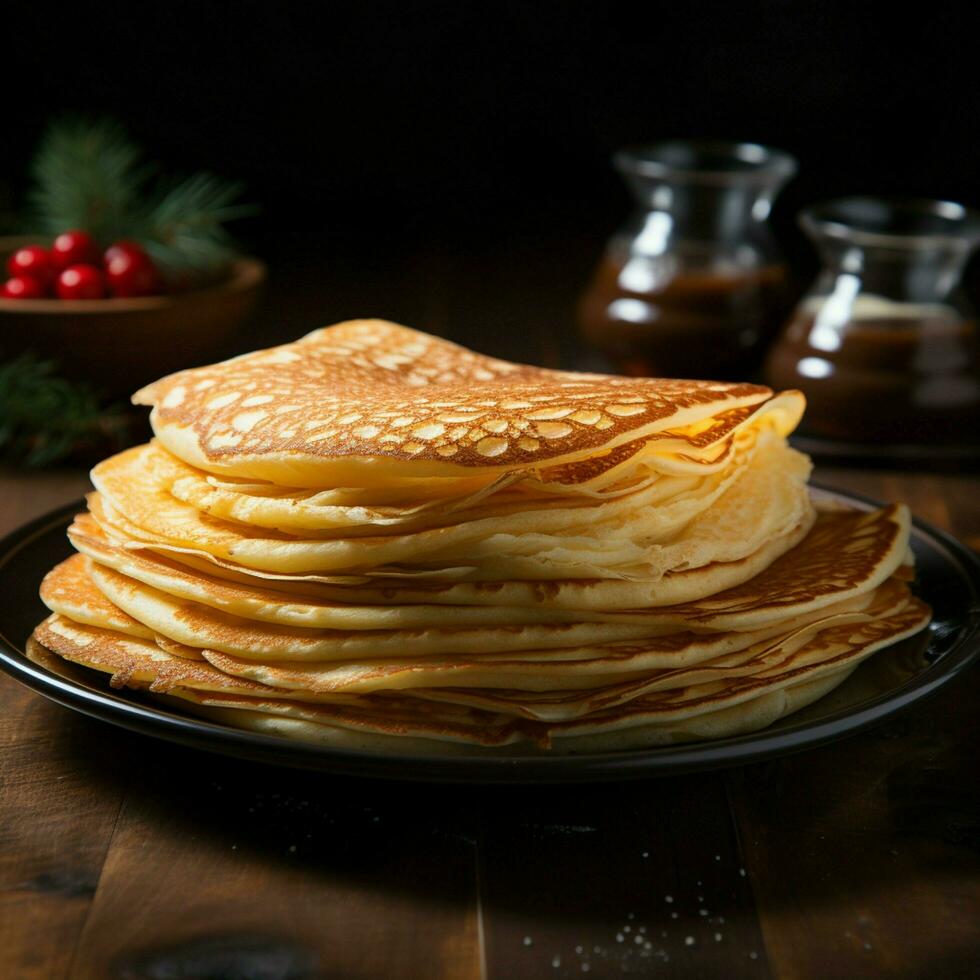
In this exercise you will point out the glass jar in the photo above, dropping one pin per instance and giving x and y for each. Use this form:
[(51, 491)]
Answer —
[(884, 345), (693, 285)]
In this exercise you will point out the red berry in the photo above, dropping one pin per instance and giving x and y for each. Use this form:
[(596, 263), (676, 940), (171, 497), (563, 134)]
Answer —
[(129, 271), (74, 248), (125, 246), (22, 287), (33, 261), (81, 282)]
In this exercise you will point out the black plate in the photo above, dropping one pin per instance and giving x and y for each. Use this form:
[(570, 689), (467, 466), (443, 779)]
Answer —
[(949, 579)]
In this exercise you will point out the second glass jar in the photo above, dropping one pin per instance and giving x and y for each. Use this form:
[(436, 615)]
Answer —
[(885, 345)]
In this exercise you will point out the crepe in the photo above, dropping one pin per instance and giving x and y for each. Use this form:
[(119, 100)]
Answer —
[(374, 538), (369, 403)]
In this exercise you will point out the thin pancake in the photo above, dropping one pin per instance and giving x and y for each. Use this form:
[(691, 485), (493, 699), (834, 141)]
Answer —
[(367, 402)]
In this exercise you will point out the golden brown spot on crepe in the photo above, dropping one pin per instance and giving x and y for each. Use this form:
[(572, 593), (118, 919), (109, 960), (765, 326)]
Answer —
[(221, 401), (624, 411), (430, 431), (224, 440), (175, 396), (246, 421), (549, 414), (553, 430), (492, 446)]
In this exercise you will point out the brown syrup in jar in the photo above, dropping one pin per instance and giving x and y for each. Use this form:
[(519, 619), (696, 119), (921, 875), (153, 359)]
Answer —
[(697, 324), (896, 379), (886, 346)]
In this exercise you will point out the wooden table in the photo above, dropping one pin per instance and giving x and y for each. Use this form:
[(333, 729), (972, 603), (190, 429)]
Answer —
[(124, 857)]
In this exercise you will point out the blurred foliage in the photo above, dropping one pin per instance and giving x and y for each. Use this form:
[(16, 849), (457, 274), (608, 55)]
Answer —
[(88, 176), (44, 418)]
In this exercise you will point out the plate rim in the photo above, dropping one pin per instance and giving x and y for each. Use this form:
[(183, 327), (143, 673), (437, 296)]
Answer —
[(656, 761)]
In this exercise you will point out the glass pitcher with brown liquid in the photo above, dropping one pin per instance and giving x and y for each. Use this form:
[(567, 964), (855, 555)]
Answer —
[(693, 285), (884, 345)]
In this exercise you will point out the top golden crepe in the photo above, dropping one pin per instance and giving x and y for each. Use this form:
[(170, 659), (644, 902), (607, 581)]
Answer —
[(374, 538)]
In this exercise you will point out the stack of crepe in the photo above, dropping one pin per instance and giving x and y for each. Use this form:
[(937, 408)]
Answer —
[(373, 538)]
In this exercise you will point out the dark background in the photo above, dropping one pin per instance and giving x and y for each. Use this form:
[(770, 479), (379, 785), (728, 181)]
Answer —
[(445, 163)]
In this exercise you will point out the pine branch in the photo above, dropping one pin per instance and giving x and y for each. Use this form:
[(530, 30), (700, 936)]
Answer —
[(88, 175), (185, 226), (44, 417)]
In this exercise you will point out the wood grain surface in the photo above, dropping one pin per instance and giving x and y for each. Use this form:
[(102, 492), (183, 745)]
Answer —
[(122, 857)]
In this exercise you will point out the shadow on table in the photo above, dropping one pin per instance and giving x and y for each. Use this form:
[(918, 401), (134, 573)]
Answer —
[(566, 867)]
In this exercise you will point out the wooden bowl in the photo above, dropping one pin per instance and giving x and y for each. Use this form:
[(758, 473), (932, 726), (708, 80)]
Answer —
[(121, 344)]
